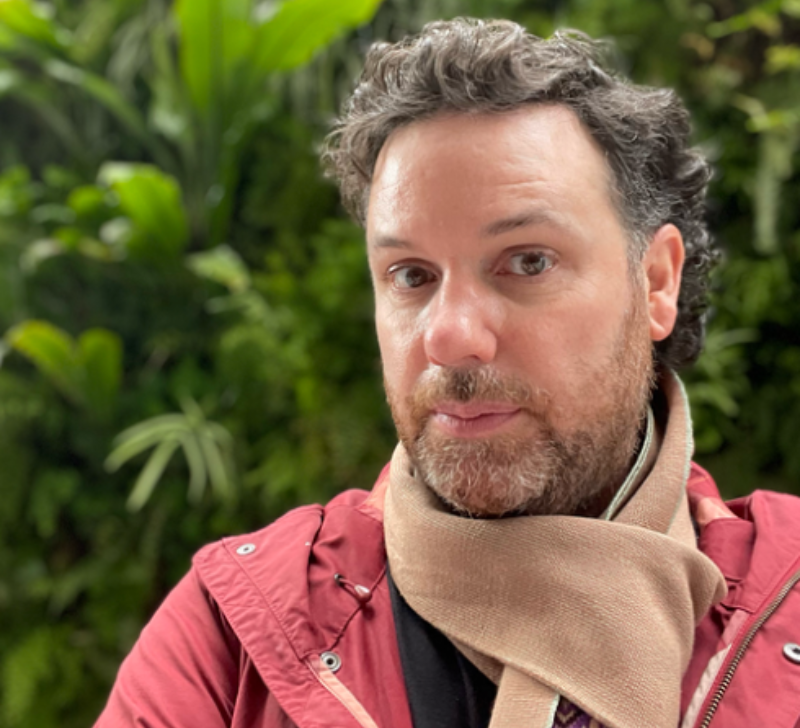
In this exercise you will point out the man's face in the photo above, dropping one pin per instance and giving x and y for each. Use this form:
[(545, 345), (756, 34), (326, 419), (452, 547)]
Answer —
[(515, 336)]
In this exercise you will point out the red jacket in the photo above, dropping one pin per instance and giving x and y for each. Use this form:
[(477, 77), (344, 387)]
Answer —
[(267, 609)]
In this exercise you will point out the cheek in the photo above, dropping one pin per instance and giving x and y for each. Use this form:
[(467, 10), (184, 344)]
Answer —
[(567, 345), (402, 351)]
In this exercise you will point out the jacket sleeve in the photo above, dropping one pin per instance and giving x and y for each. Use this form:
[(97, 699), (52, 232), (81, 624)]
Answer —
[(183, 671)]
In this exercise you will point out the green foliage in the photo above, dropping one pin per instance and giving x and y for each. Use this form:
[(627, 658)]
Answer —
[(188, 348), (206, 446), (165, 365), (86, 371), (151, 201)]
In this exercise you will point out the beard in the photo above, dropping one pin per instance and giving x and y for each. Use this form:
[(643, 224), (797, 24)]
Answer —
[(541, 468)]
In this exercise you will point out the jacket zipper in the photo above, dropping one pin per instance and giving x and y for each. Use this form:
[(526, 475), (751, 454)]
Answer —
[(734, 664)]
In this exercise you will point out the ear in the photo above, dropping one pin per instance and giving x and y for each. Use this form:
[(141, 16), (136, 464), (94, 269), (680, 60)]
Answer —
[(662, 265)]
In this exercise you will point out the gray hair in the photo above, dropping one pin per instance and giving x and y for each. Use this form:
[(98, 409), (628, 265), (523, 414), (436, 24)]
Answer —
[(491, 66)]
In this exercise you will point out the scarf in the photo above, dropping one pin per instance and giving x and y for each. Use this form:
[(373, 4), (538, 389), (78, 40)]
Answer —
[(599, 611)]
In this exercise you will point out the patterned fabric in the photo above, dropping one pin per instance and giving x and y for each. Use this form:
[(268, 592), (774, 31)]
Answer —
[(571, 716)]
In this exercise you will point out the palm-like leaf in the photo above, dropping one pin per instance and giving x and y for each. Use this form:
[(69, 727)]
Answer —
[(206, 447)]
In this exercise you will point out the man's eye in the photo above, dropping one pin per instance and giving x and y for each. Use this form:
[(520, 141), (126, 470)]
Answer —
[(529, 264), (410, 276)]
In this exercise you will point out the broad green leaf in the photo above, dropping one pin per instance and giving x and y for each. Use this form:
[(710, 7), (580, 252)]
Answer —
[(151, 473), (222, 265), (301, 27), (89, 202), (28, 20), (100, 353), (53, 352), (153, 202), (87, 371), (215, 36)]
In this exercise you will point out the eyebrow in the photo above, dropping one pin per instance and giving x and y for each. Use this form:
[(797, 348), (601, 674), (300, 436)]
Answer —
[(528, 218), (389, 241)]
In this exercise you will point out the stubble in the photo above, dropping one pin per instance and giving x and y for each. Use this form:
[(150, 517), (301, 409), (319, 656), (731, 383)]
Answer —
[(540, 468)]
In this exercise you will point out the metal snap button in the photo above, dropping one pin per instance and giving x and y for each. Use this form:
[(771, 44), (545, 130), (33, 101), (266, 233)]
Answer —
[(791, 652), (245, 549), (331, 660)]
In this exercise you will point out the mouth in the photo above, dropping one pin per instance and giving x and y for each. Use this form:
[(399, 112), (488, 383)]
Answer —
[(473, 419)]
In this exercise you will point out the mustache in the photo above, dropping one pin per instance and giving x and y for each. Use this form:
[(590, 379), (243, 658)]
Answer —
[(475, 384)]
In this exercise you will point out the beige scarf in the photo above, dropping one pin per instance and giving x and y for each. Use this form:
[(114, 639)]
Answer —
[(601, 612)]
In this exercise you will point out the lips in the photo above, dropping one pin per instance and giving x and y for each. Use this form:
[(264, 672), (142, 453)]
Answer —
[(474, 419)]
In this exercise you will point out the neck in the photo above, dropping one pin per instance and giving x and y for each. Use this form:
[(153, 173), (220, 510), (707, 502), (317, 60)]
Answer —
[(610, 501)]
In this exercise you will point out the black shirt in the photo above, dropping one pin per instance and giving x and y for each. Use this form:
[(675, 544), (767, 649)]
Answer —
[(445, 690)]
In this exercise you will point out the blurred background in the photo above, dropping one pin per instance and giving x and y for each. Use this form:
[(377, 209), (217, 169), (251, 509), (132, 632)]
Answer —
[(187, 346)]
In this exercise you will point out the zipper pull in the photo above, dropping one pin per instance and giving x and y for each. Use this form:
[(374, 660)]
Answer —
[(361, 593)]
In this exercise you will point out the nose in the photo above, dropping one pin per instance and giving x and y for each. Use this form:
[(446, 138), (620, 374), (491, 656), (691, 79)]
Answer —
[(462, 326)]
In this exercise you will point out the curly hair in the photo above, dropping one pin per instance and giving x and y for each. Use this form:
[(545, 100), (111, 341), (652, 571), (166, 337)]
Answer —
[(492, 66)]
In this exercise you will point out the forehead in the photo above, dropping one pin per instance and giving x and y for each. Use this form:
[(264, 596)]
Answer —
[(479, 166)]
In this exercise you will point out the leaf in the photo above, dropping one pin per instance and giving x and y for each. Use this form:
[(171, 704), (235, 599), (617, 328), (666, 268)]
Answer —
[(53, 352), (222, 265), (151, 473), (153, 202), (301, 27), (764, 17), (143, 436), (100, 355), (50, 492), (169, 111), (39, 97), (205, 445), (215, 462), (776, 151), (16, 191), (27, 19), (198, 473), (215, 36), (783, 58), (27, 665), (87, 372), (113, 101), (172, 420), (88, 201)]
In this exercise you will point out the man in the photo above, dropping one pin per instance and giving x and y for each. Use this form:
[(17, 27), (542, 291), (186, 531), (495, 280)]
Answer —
[(535, 236)]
